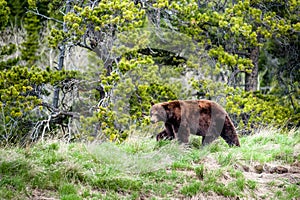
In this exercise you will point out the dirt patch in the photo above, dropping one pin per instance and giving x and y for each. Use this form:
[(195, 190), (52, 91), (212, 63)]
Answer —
[(271, 176), (210, 163), (42, 195), (212, 196), (265, 178)]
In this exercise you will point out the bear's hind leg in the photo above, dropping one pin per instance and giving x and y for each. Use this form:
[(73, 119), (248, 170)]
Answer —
[(229, 133)]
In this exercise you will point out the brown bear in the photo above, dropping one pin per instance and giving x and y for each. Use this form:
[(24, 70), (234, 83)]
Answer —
[(199, 117)]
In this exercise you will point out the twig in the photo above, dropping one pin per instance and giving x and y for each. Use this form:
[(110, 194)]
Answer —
[(44, 16)]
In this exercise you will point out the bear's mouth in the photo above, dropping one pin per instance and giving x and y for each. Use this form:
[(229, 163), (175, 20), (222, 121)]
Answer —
[(153, 121)]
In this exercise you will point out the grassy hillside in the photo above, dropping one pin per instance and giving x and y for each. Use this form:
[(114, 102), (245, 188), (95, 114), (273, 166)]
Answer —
[(266, 166)]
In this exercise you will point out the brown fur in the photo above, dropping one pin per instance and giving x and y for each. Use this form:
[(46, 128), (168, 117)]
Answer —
[(200, 117)]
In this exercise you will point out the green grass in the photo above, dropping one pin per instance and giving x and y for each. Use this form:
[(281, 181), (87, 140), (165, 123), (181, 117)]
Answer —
[(192, 189), (199, 170), (143, 168)]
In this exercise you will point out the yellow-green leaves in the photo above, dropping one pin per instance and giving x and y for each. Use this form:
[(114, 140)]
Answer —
[(17, 84), (254, 110), (72, 18), (4, 14), (296, 27), (106, 16), (56, 36), (228, 59), (161, 4)]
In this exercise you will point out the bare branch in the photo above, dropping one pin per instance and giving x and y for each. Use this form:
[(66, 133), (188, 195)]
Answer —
[(44, 16), (56, 113)]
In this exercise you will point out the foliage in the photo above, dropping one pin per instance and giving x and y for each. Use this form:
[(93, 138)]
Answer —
[(231, 30), (144, 52), (31, 44), (6, 51), (17, 11), (21, 92), (87, 22), (24, 85), (252, 110), (4, 14)]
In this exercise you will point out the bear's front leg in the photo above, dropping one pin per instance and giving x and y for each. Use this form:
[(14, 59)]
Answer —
[(170, 130), (183, 134), (207, 140), (164, 136)]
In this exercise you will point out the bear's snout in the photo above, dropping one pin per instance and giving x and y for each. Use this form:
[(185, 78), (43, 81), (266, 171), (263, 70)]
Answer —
[(153, 119)]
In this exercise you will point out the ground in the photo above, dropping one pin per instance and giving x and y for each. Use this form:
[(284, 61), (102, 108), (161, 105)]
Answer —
[(266, 166)]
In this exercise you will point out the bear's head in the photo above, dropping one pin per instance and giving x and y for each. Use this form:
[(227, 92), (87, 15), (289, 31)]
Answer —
[(158, 113)]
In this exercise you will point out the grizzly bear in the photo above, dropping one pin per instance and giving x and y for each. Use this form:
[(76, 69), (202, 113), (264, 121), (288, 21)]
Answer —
[(199, 117)]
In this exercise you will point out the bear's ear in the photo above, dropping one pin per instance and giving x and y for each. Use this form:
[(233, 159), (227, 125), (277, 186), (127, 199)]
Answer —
[(152, 103), (166, 106)]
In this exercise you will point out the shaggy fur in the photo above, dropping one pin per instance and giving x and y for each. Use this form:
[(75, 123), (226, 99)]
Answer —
[(199, 117)]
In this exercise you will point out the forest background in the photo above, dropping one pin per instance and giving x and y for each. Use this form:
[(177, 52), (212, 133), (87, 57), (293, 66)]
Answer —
[(89, 70)]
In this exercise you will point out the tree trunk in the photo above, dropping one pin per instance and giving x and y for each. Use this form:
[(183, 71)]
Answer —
[(251, 79), (61, 57)]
